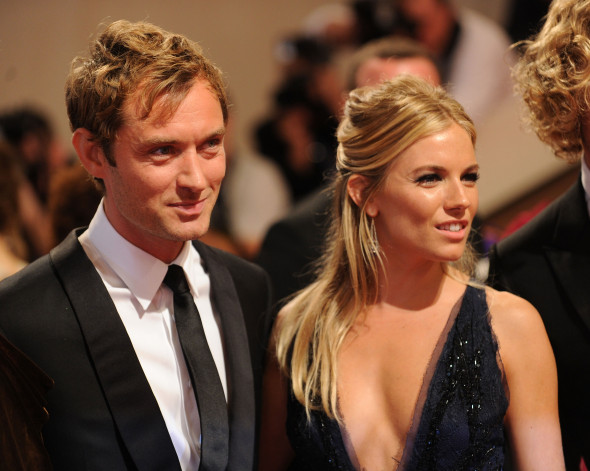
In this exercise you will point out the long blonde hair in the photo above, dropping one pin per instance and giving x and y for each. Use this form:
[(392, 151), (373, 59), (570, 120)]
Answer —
[(378, 124)]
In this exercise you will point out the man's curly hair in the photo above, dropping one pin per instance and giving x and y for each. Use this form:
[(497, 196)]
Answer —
[(553, 76)]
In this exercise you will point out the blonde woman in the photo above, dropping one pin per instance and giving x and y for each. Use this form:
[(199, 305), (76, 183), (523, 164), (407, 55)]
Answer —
[(392, 359)]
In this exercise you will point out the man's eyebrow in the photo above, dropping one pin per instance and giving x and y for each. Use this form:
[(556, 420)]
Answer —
[(154, 141), (218, 133), (161, 140)]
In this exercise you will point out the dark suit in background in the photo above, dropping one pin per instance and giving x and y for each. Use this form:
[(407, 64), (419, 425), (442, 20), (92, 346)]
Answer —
[(547, 262), (103, 414), (293, 244)]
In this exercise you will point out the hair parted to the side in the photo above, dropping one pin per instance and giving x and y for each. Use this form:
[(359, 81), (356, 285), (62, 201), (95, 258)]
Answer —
[(553, 77), (135, 61), (396, 47), (378, 124)]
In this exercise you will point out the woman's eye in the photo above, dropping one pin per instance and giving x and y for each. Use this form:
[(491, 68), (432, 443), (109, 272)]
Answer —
[(471, 177), (428, 179)]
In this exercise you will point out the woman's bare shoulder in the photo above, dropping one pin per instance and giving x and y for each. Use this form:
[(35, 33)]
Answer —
[(515, 320), (506, 306)]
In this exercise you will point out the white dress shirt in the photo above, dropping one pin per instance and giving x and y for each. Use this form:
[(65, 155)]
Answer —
[(134, 279)]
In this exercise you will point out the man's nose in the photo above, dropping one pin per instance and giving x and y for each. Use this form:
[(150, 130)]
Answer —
[(191, 173)]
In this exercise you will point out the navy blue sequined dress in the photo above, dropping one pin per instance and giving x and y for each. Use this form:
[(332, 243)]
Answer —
[(458, 421)]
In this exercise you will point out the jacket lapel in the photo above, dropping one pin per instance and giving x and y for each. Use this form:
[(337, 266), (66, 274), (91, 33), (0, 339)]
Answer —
[(569, 256), (132, 404), (240, 377)]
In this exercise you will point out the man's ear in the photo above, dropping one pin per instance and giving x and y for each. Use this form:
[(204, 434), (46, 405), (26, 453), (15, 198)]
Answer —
[(90, 153)]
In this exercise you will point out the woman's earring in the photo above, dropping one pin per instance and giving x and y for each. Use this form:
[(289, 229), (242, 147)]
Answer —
[(371, 211), (373, 235)]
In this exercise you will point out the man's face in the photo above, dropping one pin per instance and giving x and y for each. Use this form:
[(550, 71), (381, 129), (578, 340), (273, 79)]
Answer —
[(168, 173)]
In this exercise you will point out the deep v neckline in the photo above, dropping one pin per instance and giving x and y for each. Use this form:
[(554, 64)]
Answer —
[(458, 421), (432, 366)]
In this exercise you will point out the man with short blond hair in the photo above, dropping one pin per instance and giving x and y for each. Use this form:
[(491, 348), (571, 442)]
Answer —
[(154, 340)]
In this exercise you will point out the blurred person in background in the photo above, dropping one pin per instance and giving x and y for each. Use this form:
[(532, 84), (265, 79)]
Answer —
[(298, 132), (13, 250), (472, 52), (23, 386), (254, 194), (72, 201), (40, 154)]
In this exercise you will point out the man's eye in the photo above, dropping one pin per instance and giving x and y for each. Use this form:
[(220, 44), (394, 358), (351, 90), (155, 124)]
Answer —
[(164, 150), (213, 143)]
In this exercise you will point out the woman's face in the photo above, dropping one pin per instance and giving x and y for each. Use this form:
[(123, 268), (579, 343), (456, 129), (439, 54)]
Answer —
[(425, 209)]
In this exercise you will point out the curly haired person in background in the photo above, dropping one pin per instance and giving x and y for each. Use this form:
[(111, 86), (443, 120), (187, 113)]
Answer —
[(547, 261)]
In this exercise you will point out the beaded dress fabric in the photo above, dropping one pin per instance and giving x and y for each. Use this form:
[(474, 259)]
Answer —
[(458, 419)]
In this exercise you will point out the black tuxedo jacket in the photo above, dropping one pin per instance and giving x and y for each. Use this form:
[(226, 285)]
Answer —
[(547, 262), (102, 412)]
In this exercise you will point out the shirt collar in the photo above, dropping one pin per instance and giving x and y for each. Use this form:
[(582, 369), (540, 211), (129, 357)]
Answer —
[(141, 272)]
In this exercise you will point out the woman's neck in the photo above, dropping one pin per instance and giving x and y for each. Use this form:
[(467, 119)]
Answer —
[(412, 288)]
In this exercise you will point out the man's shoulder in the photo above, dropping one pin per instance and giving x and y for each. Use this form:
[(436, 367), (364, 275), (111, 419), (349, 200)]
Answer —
[(550, 227), (530, 238), (523, 255), (32, 275), (40, 276)]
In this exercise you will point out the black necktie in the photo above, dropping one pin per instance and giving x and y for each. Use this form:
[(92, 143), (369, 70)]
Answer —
[(205, 378)]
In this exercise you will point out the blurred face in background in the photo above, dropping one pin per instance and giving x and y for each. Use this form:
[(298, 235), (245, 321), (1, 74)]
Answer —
[(376, 70)]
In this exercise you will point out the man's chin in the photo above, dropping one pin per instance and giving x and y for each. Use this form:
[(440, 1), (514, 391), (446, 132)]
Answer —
[(191, 233)]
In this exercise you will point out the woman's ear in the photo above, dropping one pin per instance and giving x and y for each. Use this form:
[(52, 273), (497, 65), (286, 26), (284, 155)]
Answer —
[(356, 187), (90, 153)]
